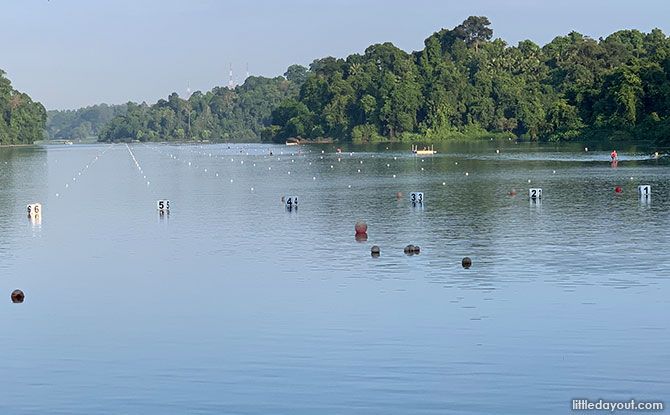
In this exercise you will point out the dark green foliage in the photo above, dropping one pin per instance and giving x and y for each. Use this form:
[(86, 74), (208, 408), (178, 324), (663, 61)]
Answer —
[(464, 83), (222, 114), (21, 120)]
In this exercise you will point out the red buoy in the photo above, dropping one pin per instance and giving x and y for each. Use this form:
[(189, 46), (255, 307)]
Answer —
[(618, 189), (361, 228)]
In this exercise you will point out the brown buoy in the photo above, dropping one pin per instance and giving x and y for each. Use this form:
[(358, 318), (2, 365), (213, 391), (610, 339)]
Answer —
[(18, 296), (375, 251), (466, 262)]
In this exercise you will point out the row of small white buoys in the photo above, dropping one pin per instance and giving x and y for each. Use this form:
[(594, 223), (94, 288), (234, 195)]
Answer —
[(137, 164), (83, 170), (192, 164), (34, 209)]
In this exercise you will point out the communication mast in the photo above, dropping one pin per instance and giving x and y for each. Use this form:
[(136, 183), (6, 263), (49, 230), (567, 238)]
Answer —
[(231, 83)]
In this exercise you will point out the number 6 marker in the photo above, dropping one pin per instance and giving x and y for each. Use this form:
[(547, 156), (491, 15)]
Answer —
[(34, 209)]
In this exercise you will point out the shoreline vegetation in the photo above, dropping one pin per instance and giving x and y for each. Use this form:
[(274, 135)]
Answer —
[(463, 85), (21, 119)]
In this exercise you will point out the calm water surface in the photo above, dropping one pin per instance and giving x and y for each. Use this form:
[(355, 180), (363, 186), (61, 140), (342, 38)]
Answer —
[(234, 305)]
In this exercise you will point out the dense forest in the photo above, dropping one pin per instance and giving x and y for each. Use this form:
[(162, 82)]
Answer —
[(462, 84), (81, 123), (21, 119), (238, 114)]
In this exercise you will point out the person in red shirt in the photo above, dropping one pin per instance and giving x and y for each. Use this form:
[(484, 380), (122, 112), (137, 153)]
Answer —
[(614, 155)]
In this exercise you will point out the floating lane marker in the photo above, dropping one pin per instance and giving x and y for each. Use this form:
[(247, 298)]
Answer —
[(86, 167)]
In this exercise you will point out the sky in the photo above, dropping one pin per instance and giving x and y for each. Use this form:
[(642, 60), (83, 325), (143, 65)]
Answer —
[(74, 53)]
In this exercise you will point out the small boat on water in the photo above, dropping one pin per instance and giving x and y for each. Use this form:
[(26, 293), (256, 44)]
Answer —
[(424, 151), (292, 142)]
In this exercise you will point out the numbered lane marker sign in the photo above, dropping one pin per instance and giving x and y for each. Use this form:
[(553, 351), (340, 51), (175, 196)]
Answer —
[(644, 190), (535, 194), (34, 209), (416, 197), (291, 202), (163, 205)]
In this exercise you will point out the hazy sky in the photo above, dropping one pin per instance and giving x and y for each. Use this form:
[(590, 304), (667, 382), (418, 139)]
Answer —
[(72, 53)]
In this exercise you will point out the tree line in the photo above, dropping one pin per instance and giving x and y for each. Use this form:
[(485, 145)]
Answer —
[(222, 114), (81, 123), (463, 83), (21, 120)]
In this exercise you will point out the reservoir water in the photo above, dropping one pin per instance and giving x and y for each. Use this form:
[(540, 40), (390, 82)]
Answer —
[(234, 305)]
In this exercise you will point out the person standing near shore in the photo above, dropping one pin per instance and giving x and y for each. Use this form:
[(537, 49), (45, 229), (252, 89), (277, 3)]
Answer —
[(614, 155)]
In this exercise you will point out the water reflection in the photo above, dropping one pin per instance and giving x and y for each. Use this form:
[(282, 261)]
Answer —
[(289, 305)]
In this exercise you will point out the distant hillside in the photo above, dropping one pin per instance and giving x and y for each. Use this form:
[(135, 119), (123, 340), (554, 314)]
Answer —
[(81, 123), (21, 120), (465, 83), (222, 114), (462, 84)]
